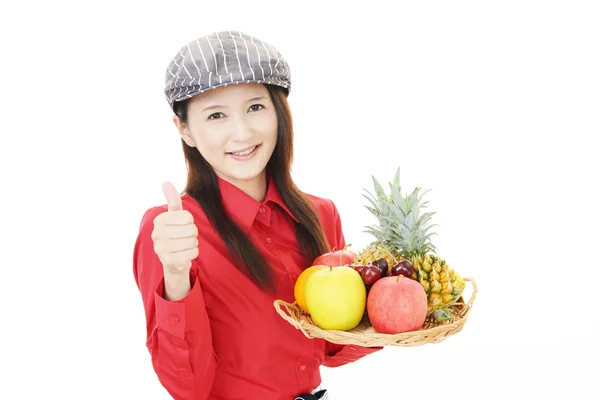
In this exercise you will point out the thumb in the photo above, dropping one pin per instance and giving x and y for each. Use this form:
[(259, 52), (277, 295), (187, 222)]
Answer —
[(172, 196)]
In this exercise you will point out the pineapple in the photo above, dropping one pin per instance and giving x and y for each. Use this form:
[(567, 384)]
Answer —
[(403, 232), (378, 250)]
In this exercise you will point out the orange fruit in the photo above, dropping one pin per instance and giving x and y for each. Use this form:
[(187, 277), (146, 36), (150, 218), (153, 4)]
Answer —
[(301, 282)]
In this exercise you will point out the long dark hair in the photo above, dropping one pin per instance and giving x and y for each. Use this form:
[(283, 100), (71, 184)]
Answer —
[(202, 185)]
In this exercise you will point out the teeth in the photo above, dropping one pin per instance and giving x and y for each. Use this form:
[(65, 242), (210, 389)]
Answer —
[(245, 153)]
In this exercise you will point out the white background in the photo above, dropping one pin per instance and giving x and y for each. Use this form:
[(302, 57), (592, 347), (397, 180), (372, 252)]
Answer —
[(492, 105)]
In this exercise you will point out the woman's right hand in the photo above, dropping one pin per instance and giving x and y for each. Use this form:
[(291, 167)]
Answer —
[(175, 239)]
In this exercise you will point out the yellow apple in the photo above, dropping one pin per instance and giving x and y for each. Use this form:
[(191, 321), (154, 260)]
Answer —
[(301, 282), (336, 298)]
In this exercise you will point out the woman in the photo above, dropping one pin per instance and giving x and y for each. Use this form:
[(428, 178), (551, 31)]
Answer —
[(210, 262)]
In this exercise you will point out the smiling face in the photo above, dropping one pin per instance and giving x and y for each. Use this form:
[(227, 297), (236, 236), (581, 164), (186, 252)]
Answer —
[(235, 130)]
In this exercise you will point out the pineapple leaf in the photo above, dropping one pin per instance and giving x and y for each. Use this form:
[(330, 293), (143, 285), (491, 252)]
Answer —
[(373, 231), (372, 201), (413, 198), (397, 223), (429, 247), (378, 189), (398, 214), (423, 219), (398, 200), (410, 219), (442, 314), (402, 234), (391, 219), (423, 194), (427, 235), (372, 210), (397, 178)]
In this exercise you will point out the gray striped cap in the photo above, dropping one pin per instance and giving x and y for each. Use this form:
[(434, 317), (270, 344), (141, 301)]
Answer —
[(221, 59)]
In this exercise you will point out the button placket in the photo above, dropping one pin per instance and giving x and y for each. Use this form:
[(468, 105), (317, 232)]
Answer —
[(264, 216), (302, 375)]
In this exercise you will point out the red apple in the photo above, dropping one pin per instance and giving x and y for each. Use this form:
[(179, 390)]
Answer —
[(397, 304), (336, 258)]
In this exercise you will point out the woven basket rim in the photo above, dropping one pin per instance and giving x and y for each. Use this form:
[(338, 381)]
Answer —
[(423, 335)]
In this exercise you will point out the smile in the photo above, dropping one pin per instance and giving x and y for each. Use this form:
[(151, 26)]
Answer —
[(244, 154)]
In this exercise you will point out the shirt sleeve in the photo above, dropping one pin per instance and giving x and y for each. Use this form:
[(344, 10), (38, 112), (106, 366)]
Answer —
[(337, 355), (178, 334)]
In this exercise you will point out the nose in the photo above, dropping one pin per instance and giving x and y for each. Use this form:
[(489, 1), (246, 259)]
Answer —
[(242, 129)]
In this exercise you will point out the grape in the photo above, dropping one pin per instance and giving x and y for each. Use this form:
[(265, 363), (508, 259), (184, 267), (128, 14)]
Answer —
[(382, 264), (404, 267)]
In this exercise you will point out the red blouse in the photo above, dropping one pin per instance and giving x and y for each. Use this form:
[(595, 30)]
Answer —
[(225, 340)]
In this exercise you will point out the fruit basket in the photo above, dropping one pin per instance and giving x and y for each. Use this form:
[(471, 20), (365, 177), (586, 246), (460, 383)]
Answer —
[(399, 283), (365, 335)]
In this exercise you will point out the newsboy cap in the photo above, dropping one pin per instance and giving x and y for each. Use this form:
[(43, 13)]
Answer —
[(220, 59)]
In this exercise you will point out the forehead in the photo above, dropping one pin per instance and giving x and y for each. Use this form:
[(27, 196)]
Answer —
[(230, 94)]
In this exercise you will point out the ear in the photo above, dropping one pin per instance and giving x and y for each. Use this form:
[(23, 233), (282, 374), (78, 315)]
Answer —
[(184, 131)]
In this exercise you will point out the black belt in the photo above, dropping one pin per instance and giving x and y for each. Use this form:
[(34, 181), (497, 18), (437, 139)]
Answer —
[(312, 396)]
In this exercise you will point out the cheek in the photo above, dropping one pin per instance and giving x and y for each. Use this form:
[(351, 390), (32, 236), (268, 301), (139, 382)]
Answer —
[(209, 145), (268, 128)]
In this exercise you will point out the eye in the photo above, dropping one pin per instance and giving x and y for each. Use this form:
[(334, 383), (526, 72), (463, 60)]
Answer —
[(216, 115), (256, 107)]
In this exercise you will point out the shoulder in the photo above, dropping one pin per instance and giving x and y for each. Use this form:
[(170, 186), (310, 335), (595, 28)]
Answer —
[(330, 220), (325, 207)]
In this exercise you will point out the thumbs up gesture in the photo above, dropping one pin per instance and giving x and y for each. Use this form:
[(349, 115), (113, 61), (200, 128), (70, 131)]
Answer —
[(175, 235)]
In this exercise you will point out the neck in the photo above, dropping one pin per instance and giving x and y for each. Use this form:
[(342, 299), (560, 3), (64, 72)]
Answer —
[(255, 188)]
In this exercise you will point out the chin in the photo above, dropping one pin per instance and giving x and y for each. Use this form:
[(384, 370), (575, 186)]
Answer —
[(246, 176), (245, 173)]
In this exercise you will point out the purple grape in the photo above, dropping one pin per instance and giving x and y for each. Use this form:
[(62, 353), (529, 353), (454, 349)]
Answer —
[(404, 267), (382, 264)]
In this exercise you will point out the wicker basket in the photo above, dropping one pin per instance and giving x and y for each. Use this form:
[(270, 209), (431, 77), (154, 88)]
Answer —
[(365, 335)]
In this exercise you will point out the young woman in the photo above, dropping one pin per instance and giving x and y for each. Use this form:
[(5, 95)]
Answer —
[(210, 262)]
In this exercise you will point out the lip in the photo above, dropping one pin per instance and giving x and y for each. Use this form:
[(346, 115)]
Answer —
[(246, 157), (242, 150)]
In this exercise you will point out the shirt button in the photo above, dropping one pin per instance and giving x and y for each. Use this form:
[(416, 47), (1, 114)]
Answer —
[(302, 367), (262, 209), (174, 319), (268, 240)]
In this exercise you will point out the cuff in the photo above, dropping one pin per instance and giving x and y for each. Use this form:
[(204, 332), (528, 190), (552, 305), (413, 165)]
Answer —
[(348, 354), (177, 317)]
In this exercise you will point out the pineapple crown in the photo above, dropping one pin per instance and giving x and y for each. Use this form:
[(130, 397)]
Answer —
[(401, 223)]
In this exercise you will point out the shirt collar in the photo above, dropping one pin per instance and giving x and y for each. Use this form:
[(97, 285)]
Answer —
[(243, 208)]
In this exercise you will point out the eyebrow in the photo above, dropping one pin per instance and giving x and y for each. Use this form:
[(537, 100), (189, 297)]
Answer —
[(212, 107), (257, 98)]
